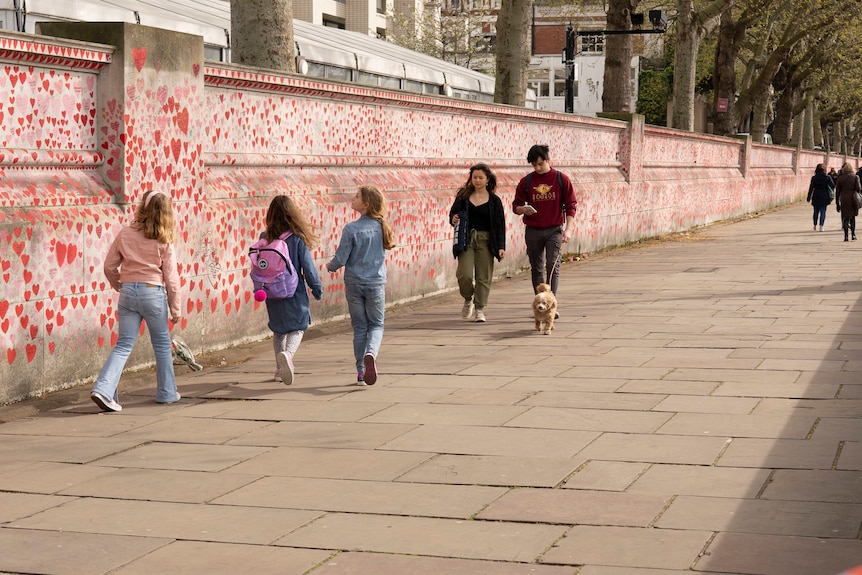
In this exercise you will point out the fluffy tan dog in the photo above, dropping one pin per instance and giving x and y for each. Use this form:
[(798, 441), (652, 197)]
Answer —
[(544, 309)]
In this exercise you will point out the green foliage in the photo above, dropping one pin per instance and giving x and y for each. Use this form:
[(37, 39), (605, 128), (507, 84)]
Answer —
[(655, 89)]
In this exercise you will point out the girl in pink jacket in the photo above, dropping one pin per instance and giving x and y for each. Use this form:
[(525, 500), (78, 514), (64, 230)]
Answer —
[(141, 266)]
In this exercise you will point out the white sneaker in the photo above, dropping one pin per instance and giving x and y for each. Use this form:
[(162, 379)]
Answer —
[(277, 376), (480, 316), (467, 310), (285, 366), (104, 403)]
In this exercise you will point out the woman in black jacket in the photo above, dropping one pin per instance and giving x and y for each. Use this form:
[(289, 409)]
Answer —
[(481, 238), (821, 191)]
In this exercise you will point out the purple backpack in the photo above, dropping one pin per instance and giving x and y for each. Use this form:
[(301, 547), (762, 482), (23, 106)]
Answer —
[(271, 268)]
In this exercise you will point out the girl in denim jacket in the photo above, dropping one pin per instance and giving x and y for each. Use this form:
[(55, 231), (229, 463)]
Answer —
[(361, 253)]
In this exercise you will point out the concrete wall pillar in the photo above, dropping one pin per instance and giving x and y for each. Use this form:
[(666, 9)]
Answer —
[(632, 149), (149, 126)]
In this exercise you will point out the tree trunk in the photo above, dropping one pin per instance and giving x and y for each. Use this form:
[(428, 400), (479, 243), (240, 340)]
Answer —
[(724, 75), (262, 34), (782, 131), (617, 92), (684, 66), (513, 51), (808, 131)]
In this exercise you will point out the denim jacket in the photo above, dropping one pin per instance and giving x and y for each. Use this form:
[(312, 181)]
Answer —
[(361, 253)]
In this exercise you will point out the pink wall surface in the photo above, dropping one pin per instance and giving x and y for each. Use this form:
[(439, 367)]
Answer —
[(86, 128)]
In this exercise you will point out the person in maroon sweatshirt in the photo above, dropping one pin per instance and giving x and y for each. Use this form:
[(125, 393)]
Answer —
[(546, 200)]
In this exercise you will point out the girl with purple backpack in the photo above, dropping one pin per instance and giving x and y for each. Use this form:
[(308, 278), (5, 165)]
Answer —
[(290, 317)]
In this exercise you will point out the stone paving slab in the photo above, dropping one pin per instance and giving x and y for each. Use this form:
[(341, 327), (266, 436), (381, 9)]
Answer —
[(15, 506), (629, 547), (493, 470), (475, 440), (49, 477), (769, 554), (758, 426), (372, 465), (57, 553), (354, 496), (735, 483), (185, 457), (227, 524), (815, 485), (580, 507), (606, 475), (204, 558), (383, 564), (499, 541), (590, 419), (160, 485), (805, 519)]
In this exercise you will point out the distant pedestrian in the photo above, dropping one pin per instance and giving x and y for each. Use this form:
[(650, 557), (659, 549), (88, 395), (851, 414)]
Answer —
[(547, 201), (361, 253), (821, 192), (477, 214), (290, 317), (845, 189), (141, 265)]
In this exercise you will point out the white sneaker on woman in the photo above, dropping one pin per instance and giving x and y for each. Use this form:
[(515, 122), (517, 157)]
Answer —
[(467, 309)]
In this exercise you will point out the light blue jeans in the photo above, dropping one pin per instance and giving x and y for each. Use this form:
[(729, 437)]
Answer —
[(367, 306), (141, 302)]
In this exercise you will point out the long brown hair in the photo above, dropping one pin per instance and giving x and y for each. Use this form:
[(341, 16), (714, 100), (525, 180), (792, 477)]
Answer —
[(376, 202), (155, 217), (283, 215), (467, 190)]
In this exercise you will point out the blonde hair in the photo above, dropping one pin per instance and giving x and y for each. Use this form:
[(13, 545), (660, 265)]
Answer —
[(847, 168), (376, 202), (155, 217), (284, 215)]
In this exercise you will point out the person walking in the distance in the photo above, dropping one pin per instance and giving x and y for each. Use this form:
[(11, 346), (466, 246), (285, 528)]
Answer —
[(820, 192), (845, 188), (547, 201), (484, 238), (141, 265), (290, 317), (361, 253)]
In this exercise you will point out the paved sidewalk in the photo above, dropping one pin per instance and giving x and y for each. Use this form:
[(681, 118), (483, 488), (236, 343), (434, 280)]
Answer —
[(698, 408)]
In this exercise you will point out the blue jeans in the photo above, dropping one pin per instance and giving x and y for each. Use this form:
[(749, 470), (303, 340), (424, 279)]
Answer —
[(819, 213), (141, 302), (367, 305)]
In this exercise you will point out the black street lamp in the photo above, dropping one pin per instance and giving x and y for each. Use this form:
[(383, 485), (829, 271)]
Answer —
[(569, 61)]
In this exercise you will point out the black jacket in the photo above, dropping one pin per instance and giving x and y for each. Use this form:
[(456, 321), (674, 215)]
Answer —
[(497, 239), (818, 189)]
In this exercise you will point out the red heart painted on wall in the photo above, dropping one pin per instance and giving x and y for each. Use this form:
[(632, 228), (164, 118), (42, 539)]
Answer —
[(183, 120), (139, 55)]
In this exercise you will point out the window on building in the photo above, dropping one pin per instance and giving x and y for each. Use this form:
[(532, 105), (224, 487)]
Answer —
[(381, 6), (412, 86), (366, 78), (333, 22), (389, 82), (592, 44), (538, 80), (338, 73), (381, 33)]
